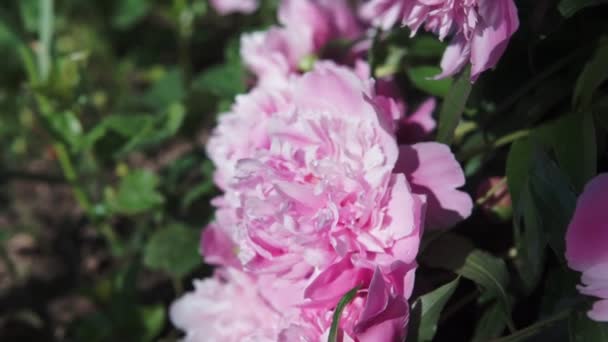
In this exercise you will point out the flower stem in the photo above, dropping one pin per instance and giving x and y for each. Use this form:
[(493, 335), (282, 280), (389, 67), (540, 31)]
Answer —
[(534, 328)]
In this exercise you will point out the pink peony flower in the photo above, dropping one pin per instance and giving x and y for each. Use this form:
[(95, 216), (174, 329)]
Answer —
[(586, 242), (324, 186), (226, 308), (307, 26), (322, 199), (480, 29), (225, 7)]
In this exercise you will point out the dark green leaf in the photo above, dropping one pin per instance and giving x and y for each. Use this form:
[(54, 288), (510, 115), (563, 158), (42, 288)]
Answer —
[(559, 291), (335, 323), (163, 127), (137, 193), (174, 250), (569, 7), (432, 305), (30, 14), (553, 197), (518, 164), (529, 241), (166, 91), (422, 79), (453, 106), (224, 81), (457, 254), (491, 323), (128, 12), (582, 329), (575, 147), (593, 75)]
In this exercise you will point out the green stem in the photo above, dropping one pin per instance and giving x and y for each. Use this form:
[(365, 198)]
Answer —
[(492, 192), (534, 328), (45, 32), (70, 175), (500, 142)]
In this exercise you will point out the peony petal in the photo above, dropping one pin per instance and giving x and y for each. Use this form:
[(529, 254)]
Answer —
[(218, 248), (599, 312), (433, 171), (498, 23), (587, 235)]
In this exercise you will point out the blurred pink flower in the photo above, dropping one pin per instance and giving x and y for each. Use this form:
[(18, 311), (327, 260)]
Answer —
[(480, 29), (226, 308), (586, 242), (225, 7), (306, 27)]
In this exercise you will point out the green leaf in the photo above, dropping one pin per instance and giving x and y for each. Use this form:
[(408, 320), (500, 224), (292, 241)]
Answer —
[(66, 127), (569, 7), (128, 12), (137, 193), (426, 46), (168, 90), (457, 254), (163, 127), (582, 329), (529, 241), (491, 323), (453, 106), (559, 291), (592, 76), (30, 14), (335, 323), (553, 197), (224, 81), (518, 164), (174, 250), (422, 79), (153, 320), (574, 143), (432, 305)]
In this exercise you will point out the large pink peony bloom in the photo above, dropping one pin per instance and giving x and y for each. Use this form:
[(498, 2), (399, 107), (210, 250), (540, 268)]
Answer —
[(480, 29), (322, 199), (226, 308), (307, 27), (586, 242), (224, 7)]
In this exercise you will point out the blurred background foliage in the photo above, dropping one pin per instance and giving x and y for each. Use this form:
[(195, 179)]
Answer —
[(105, 107), (104, 110)]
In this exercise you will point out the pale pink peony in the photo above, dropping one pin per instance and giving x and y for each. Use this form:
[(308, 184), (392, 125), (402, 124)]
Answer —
[(480, 29), (225, 7), (586, 242), (307, 26), (226, 308)]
